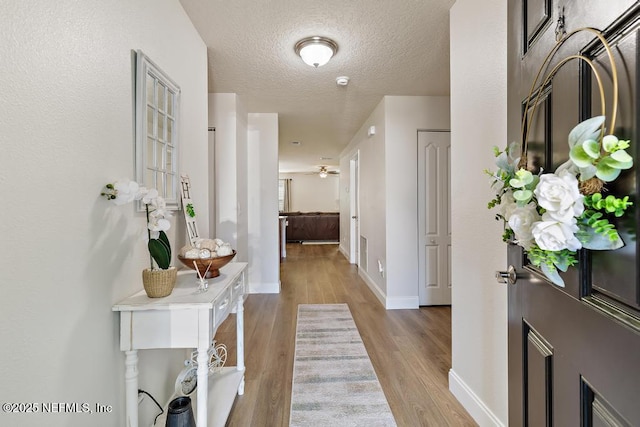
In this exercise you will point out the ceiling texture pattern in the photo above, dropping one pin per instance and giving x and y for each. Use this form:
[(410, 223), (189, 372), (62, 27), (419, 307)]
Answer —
[(386, 47)]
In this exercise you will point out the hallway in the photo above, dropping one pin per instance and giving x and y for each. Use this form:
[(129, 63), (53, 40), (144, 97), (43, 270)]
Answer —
[(409, 349)]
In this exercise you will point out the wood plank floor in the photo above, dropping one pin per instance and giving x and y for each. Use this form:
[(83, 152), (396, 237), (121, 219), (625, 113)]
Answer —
[(409, 349)]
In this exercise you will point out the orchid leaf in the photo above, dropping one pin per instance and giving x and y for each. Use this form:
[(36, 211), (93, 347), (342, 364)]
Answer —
[(160, 252), (552, 274), (580, 157), (164, 239), (592, 148), (588, 129)]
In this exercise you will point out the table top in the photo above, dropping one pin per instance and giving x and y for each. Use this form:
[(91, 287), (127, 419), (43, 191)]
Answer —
[(184, 294)]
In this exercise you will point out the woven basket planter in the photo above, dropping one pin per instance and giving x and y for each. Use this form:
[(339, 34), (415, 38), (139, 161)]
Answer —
[(159, 283)]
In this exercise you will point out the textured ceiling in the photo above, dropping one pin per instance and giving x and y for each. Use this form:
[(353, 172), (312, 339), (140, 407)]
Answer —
[(386, 47)]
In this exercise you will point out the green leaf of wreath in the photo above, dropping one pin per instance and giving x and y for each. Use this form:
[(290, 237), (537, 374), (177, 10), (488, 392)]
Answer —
[(600, 242), (592, 148), (588, 129), (580, 157), (622, 157), (552, 274), (607, 172)]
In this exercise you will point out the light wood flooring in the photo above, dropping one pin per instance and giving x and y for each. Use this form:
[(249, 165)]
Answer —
[(409, 349)]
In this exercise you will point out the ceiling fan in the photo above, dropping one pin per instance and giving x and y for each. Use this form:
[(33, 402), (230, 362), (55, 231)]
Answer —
[(324, 172)]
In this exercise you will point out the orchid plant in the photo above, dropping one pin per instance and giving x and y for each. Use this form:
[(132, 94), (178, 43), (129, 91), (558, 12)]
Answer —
[(553, 215), (125, 191)]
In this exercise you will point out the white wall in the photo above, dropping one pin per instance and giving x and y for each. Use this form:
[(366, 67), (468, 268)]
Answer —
[(228, 116), (388, 192), (478, 377), (310, 193), (242, 173), (404, 115), (372, 217), (264, 257), (68, 254)]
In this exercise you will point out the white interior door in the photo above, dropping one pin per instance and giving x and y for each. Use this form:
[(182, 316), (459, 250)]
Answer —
[(434, 217), (354, 230)]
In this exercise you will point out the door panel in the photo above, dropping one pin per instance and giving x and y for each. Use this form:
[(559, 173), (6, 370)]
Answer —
[(574, 352), (538, 361), (434, 224)]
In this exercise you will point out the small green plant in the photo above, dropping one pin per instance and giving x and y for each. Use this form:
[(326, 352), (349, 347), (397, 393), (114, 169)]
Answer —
[(191, 211)]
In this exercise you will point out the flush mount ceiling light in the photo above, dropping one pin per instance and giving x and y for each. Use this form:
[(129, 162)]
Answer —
[(316, 51)]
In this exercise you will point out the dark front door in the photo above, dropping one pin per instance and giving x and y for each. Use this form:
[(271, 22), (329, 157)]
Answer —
[(574, 351)]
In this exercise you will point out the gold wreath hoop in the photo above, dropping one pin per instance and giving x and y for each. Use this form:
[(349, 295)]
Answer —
[(528, 117)]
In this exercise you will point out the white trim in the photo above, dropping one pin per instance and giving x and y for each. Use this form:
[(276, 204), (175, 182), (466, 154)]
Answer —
[(344, 252), (388, 303), (401, 303), (372, 285), (264, 288), (471, 402)]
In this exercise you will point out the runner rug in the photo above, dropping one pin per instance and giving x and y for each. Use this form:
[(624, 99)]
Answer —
[(334, 383)]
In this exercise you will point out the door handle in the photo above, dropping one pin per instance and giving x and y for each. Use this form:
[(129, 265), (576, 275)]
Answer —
[(508, 277), (354, 217)]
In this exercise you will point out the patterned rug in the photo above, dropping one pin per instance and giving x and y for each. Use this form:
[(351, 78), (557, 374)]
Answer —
[(334, 383)]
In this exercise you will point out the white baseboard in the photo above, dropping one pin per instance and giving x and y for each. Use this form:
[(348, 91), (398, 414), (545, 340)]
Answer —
[(471, 402), (374, 288), (401, 303), (344, 252), (264, 288), (390, 303)]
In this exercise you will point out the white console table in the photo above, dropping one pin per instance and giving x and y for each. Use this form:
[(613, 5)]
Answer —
[(187, 319)]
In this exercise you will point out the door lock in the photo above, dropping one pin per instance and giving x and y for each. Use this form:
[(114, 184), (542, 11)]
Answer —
[(508, 277)]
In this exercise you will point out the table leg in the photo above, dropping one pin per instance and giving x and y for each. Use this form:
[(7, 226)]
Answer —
[(131, 387), (203, 386), (240, 340)]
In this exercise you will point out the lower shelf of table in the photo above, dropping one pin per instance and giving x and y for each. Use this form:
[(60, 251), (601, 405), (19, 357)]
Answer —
[(223, 388)]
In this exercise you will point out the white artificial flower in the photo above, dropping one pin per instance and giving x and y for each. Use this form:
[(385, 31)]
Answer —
[(521, 221), (150, 196), (560, 197), (507, 205), (158, 224), (553, 235), (142, 191), (125, 191)]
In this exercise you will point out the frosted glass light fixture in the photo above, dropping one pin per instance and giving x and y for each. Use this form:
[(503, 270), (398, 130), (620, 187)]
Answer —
[(316, 51), (323, 172)]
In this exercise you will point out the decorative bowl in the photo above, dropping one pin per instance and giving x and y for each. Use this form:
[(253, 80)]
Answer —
[(208, 267)]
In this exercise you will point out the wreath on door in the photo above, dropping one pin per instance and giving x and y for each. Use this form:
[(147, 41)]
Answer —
[(554, 215)]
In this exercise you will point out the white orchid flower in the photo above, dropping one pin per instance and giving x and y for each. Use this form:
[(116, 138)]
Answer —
[(125, 191), (158, 224), (150, 196)]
